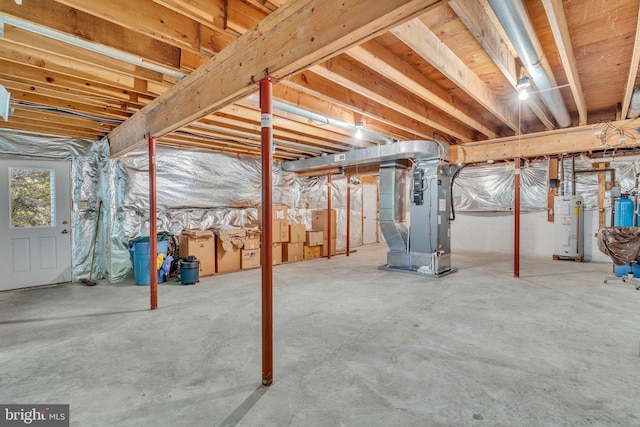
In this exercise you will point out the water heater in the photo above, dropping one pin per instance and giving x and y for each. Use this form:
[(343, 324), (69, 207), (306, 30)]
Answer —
[(568, 226)]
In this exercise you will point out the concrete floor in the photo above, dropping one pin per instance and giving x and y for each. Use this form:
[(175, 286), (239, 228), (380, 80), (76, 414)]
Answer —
[(354, 346)]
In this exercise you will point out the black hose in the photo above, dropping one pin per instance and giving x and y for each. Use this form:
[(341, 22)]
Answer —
[(452, 215)]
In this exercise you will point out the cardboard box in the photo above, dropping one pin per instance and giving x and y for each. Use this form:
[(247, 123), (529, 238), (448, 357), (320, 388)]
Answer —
[(311, 252), (333, 247), (278, 212), (297, 233), (277, 253), (227, 260), (314, 237), (319, 220), (250, 258), (199, 243), (284, 231), (253, 240), (292, 252)]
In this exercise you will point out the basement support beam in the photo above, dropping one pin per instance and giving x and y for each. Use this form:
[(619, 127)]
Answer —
[(329, 216), (266, 253), (571, 140), (277, 46), (153, 226)]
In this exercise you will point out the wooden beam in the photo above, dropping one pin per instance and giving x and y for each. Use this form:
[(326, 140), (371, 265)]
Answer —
[(560, 29), (571, 140), (74, 22), (602, 178), (421, 39), (362, 106), (144, 17), (384, 62), (279, 47), (241, 17), (346, 73), (633, 70), (473, 15)]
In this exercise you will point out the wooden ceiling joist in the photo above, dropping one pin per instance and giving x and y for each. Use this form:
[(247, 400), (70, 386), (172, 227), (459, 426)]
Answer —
[(278, 48), (425, 43), (558, 22), (376, 57), (633, 70)]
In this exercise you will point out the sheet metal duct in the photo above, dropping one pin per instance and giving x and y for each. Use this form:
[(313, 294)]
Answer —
[(418, 149), (634, 104), (515, 20), (393, 190)]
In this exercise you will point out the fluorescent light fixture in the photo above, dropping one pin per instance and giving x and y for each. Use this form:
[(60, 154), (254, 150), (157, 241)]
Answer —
[(93, 47), (4, 103)]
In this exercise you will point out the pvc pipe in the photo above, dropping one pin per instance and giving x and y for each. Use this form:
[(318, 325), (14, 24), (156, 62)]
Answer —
[(328, 216), (516, 221), (266, 254), (153, 233), (348, 212)]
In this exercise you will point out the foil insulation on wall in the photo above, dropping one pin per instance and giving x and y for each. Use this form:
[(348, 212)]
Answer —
[(490, 188), (202, 189)]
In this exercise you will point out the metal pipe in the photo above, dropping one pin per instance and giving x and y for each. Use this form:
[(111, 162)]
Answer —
[(153, 232), (349, 212), (516, 221), (329, 216), (324, 119), (266, 254), (573, 175), (514, 19), (561, 175)]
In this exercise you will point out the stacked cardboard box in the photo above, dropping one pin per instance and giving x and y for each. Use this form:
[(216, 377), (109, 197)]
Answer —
[(199, 243), (320, 221), (229, 240), (313, 244), (294, 250), (250, 252)]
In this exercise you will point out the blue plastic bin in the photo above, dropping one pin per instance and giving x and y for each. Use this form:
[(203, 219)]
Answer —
[(141, 262), (623, 270)]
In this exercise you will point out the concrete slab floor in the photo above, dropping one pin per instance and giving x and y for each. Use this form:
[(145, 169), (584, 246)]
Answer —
[(354, 346)]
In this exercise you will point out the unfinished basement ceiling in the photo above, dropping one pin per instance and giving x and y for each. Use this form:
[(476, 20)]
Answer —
[(81, 69)]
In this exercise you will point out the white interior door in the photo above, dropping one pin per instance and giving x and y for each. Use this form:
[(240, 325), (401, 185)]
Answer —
[(370, 215), (35, 216)]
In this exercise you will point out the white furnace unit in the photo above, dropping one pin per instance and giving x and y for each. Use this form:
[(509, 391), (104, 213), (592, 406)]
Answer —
[(568, 227)]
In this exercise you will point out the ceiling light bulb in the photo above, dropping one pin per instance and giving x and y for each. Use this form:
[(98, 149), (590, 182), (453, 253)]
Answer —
[(523, 94), (359, 126)]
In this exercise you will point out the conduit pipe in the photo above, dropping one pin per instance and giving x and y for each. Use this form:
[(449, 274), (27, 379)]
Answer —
[(324, 119), (266, 253), (153, 232), (515, 20)]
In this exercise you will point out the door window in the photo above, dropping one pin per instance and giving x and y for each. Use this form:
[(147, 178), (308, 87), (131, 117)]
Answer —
[(32, 197)]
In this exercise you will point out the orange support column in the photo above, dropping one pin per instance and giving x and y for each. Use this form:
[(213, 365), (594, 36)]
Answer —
[(329, 216), (153, 233), (266, 252), (516, 220), (348, 212)]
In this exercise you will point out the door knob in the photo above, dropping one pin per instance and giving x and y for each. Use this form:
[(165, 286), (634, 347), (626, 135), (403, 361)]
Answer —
[(64, 232)]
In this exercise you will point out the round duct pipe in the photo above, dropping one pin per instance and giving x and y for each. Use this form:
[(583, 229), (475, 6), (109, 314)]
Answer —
[(514, 19)]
